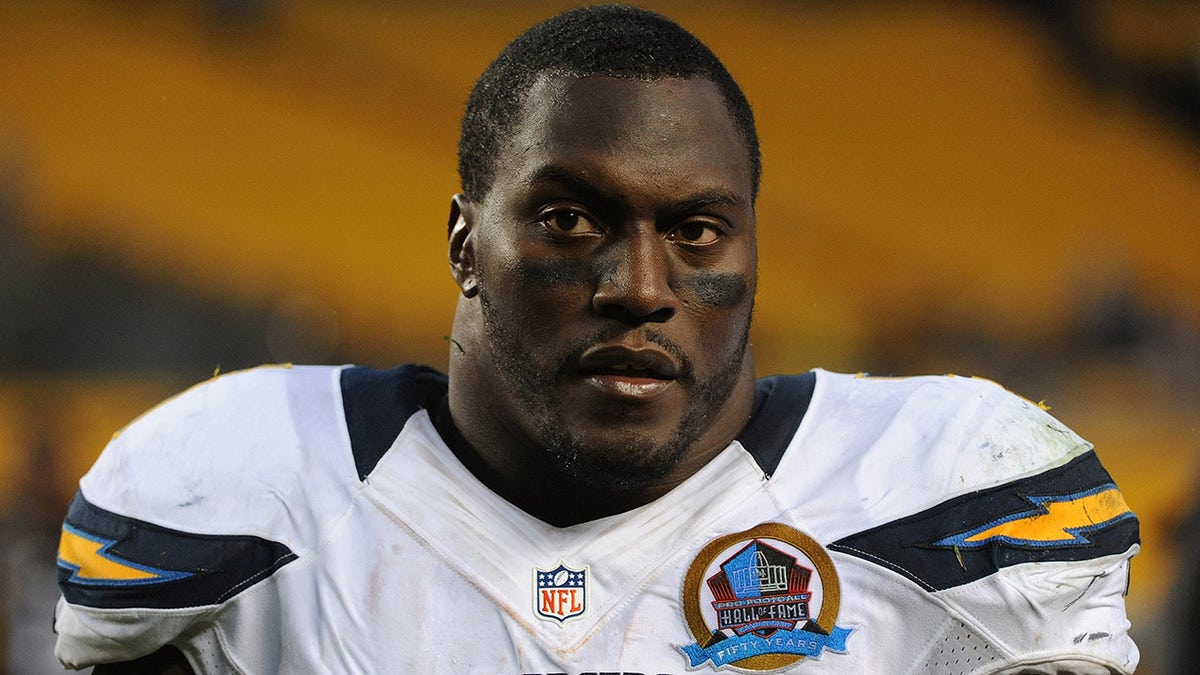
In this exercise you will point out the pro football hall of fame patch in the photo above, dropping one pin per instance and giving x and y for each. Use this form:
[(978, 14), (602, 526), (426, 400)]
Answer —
[(762, 600)]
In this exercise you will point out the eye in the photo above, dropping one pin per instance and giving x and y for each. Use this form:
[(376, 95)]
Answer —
[(696, 233), (568, 221)]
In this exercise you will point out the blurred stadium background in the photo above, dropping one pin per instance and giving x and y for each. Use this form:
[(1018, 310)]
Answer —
[(1008, 189)]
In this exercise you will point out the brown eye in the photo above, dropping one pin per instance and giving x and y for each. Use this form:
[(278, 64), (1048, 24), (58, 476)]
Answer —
[(565, 220), (695, 232), (568, 221)]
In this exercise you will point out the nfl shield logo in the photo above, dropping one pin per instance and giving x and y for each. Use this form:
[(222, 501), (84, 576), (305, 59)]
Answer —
[(560, 594)]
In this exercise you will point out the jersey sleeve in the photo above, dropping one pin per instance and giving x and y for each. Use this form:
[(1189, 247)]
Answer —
[(1055, 617), (199, 500), (1034, 557), (1061, 540)]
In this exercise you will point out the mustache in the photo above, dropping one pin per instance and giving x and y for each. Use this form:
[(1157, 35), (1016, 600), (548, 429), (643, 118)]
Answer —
[(569, 362)]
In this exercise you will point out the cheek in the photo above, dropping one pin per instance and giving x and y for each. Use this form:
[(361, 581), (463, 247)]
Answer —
[(542, 294), (715, 289)]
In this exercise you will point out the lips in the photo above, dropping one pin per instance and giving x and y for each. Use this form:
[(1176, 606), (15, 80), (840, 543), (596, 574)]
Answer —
[(636, 374)]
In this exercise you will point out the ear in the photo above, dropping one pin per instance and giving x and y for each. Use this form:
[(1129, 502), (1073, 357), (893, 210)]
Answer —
[(460, 232)]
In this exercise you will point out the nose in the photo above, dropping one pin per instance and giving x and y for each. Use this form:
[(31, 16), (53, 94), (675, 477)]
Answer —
[(634, 283)]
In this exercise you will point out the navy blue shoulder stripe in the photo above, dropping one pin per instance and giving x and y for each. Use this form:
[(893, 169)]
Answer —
[(780, 402), (111, 561), (377, 404), (1068, 513)]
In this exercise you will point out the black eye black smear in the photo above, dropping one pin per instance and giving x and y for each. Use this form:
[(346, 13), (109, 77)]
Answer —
[(554, 273), (717, 289)]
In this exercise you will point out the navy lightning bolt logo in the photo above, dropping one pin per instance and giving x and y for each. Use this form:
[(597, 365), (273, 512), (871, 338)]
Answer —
[(1063, 520), (91, 561)]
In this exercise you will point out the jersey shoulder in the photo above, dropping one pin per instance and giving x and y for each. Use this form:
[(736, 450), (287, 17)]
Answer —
[(961, 478), (208, 492), (990, 507), (214, 491), (970, 430), (221, 455), (263, 460)]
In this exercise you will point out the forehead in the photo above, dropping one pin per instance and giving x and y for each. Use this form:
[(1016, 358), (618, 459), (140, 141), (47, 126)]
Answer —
[(643, 131)]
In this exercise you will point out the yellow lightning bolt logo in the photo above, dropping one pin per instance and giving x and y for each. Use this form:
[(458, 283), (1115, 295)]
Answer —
[(90, 561), (1056, 521)]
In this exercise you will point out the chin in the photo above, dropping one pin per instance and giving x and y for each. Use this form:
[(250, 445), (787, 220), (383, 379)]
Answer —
[(618, 461)]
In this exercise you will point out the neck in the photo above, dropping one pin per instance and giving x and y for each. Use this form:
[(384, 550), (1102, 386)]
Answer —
[(552, 496)]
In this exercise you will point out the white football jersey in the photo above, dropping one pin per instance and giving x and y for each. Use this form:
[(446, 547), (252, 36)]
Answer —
[(316, 520)]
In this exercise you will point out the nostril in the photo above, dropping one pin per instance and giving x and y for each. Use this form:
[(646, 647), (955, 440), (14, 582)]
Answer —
[(660, 315), (627, 314)]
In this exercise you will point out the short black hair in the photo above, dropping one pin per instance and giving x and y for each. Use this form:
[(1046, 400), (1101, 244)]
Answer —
[(608, 40)]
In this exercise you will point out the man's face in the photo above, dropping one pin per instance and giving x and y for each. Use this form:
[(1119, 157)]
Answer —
[(615, 260)]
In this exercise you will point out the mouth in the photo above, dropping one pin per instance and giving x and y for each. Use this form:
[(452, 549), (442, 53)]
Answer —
[(632, 374)]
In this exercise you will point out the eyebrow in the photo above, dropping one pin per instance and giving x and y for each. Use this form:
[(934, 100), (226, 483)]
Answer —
[(579, 184), (710, 198), (568, 179)]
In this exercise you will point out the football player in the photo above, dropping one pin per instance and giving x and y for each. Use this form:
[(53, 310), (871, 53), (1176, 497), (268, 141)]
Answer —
[(600, 484)]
